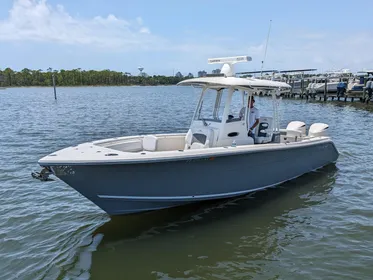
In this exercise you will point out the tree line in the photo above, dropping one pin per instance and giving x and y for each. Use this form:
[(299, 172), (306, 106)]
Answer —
[(78, 77)]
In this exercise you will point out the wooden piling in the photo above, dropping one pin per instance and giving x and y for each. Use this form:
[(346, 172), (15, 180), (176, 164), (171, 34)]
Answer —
[(292, 87), (325, 88), (54, 86), (302, 85)]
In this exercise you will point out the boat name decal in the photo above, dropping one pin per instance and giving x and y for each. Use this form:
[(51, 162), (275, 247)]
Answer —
[(200, 159)]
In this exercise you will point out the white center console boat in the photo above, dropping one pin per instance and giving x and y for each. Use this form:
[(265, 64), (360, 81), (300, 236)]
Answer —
[(214, 159)]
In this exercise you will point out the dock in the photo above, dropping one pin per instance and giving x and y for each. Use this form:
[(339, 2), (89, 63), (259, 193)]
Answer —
[(321, 87), (347, 97)]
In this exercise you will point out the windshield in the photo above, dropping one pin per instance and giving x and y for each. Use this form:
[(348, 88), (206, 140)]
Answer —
[(237, 107), (212, 105)]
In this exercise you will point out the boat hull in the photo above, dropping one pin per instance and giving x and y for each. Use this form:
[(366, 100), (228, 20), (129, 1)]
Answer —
[(124, 188), (330, 88)]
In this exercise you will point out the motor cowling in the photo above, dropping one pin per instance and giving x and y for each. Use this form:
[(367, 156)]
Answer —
[(297, 126), (318, 129)]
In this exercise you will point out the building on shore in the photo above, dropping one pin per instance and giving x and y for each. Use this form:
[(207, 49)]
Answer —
[(179, 75)]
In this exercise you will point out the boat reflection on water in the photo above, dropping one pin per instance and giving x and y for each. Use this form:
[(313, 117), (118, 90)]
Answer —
[(171, 242)]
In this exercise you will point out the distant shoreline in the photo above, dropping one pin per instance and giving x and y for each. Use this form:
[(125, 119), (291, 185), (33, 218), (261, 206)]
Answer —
[(82, 78)]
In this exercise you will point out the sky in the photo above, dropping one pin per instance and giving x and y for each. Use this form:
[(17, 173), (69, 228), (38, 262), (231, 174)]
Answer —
[(165, 37)]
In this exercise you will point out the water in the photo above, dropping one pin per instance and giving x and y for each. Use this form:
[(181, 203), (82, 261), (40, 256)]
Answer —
[(319, 226)]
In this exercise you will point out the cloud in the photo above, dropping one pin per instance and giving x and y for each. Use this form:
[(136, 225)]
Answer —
[(39, 21), (144, 30), (36, 20)]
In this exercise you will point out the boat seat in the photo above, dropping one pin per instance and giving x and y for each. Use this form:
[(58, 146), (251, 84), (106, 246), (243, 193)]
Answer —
[(149, 143), (197, 145), (198, 140), (264, 130)]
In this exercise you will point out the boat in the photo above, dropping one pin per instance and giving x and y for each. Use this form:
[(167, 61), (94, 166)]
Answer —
[(214, 159), (331, 79), (317, 85), (357, 83)]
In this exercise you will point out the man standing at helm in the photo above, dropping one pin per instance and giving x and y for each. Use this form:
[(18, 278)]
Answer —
[(253, 116)]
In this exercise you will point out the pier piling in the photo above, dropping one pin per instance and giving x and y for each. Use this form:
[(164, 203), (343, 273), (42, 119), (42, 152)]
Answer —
[(325, 89), (54, 86)]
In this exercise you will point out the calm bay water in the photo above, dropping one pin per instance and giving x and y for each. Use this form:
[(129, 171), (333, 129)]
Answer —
[(319, 226)]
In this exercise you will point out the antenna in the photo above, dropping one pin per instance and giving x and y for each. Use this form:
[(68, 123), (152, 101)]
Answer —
[(228, 63), (265, 52)]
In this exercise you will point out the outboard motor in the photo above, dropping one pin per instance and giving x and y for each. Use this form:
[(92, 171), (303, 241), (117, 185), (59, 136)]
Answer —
[(318, 129), (297, 126)]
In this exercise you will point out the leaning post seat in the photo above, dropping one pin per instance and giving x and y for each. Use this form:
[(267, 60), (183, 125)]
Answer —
[(264, 130)]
